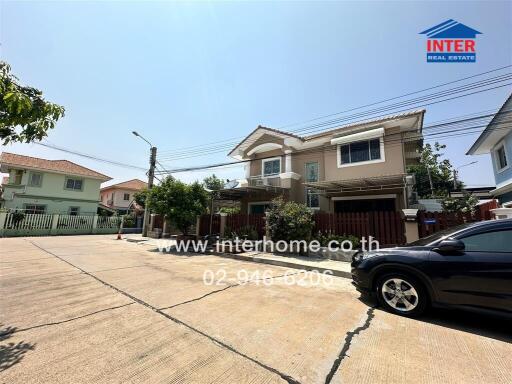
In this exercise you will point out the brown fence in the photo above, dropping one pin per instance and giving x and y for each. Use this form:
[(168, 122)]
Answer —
[(432, 222), (386, 227), (237, 221), (204, 225)]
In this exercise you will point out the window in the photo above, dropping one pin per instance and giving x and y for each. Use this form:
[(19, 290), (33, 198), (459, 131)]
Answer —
[(312, 196), (35, 179), (74, 211), (18, 175), (271, 166), (501, 158), (498, 241), (35, 208), (360, 151), (126, 197), (74, 184)]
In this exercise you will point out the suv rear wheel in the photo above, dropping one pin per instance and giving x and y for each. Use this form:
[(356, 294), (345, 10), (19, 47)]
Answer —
[(401, 294)]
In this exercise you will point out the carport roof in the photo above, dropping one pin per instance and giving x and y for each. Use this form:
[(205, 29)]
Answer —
[(360, 184)]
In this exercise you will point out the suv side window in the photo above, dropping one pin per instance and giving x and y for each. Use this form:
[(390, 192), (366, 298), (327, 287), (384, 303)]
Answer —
[(498, 241)]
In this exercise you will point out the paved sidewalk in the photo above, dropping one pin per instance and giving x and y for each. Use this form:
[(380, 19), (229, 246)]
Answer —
[(338, 268)]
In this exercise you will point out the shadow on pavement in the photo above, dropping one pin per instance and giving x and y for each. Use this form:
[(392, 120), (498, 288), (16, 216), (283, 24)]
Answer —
[(487, 325), (483, 324), (11, 353)]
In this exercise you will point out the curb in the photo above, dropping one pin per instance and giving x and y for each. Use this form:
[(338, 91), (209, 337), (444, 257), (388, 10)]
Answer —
[(286, 264)]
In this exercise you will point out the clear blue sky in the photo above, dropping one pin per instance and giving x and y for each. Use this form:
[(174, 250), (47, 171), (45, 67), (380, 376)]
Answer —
[(191, 73)]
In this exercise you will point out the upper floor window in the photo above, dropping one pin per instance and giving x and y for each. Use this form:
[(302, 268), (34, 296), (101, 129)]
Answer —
[(271, 166), (35, 179), (126, 197), (360, 151), (501, 158), (312, 196), (74, 184), (18, 175)]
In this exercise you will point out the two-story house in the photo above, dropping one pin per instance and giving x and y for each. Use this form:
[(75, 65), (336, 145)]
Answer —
[(49, 186), (120, 196), (359, 167), (496, 139)]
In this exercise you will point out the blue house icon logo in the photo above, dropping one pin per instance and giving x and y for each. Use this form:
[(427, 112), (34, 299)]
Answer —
[(451, 42)]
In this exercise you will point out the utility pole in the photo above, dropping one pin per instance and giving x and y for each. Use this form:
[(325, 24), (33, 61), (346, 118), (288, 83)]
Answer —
[(430, 181), (454, 179), (151, 177)]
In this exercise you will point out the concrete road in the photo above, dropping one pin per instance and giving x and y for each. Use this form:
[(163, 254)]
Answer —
[(84, 309)]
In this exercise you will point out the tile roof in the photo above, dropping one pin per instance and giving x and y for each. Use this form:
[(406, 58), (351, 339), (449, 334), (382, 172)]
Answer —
[(364, 122), (330, 131), (134, 184), (58, 166), (268, 129)]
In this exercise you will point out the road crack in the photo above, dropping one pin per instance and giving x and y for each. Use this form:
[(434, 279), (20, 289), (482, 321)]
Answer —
[(285, 377), (67, 320), (223, 289), (348, 341)]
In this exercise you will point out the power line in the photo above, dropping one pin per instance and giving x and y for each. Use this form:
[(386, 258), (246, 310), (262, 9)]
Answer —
[(360, 107), (388, 109), (91, 157), (334, 147), (383, 116)]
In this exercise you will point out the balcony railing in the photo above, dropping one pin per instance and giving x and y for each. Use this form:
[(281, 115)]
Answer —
[(264, 181)]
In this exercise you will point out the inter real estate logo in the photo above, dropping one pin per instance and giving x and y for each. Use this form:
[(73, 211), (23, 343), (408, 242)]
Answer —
[(451, 42)]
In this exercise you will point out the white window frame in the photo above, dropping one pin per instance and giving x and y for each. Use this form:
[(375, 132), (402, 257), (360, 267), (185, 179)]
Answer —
[(31, 184), (124, 195), (500, 145), (309, 188), (263, 161), (382, 154)]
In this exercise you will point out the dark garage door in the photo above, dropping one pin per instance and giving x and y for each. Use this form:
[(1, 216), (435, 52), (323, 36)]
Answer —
[(341, 206)]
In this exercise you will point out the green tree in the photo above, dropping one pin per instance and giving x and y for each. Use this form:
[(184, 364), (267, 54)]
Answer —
[(213, 183), (179, 202), (441, 172), (140, 197), (288, 220), (25, 115)]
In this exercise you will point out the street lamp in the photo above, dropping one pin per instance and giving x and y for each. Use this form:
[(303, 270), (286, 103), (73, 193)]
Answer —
[(456, 171), (151, 175)]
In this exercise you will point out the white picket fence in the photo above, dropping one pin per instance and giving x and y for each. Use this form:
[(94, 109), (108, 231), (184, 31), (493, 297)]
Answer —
[(16, 224), (29, 221), (74, 222)]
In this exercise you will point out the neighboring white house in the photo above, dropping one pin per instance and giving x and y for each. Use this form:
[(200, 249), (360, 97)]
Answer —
[(120, 196), (38, 185), (496, 139)]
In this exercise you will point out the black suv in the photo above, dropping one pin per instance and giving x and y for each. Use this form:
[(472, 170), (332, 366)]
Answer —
[(469, 266)]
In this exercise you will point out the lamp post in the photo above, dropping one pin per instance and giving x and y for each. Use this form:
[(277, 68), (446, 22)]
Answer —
[(151, 176), (456, 172)]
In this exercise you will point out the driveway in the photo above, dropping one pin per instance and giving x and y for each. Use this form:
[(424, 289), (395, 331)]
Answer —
[(83, 309)]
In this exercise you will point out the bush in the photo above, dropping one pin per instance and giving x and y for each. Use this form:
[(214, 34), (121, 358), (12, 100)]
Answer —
[(325, 237), (129, 221), (289, 221), (464, 204)]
